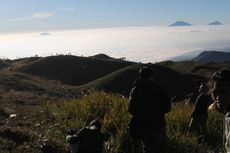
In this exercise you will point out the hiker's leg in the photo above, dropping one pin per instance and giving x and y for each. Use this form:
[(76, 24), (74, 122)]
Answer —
[(159, 141), (154, 143), (147, 144)]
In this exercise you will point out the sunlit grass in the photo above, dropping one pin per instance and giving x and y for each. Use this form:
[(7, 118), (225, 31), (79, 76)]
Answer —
[(112, 110)]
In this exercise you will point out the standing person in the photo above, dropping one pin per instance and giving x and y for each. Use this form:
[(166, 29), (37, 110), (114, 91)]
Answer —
[(148, 102), (199, 115), (220, 87)]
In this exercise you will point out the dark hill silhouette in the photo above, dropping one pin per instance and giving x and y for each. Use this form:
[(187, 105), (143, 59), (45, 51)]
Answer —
[(121, 81), (102, 56), (115, 76), (215, 23), (213, 56), (181, 66), (107, 58), (27, 59), (180, 23), (72, 70)]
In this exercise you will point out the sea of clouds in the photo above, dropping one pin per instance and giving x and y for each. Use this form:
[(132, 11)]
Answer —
[(141, 44)]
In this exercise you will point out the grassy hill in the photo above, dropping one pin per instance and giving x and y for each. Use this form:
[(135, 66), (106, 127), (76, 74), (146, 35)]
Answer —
[(72, 70), (122, 81), (102, 57), (101, 72), (196, 68), (182, 66), (61, 75)]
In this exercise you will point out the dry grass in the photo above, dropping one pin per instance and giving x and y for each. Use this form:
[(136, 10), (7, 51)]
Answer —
[(112, 110)]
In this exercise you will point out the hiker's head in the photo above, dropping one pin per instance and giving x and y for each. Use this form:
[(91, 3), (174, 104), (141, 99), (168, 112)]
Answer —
[(203, 88), (71, 131), (220, 88), (145, 72), (95, 123)]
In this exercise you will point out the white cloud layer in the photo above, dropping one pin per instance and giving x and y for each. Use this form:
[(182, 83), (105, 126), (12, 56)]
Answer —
[(145, 44)]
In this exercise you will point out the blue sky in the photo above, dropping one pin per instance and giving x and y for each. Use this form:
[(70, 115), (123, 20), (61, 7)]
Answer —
[(48, 15)]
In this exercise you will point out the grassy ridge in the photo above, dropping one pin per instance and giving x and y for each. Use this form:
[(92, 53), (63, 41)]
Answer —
[(112, 110), (200, 68), (67, 68)]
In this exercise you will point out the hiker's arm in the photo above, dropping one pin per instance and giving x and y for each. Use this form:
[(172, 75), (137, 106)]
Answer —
[(132, 106), (106, 136), (72, 139), (166, 101)]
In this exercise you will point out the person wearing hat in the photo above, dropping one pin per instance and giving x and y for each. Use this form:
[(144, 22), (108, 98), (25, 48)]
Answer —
[(148, 102), (91, 139), (220, 87)]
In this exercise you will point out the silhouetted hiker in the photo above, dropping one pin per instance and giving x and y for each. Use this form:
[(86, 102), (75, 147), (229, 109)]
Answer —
[(199, 115), (148, 102), (220, 87), (90, 139)]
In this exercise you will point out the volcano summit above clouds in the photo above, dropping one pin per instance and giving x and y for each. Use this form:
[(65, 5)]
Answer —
[(215, 23), (180, 23)]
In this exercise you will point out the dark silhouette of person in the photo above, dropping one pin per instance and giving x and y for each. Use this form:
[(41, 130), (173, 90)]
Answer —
[(199, 115), (91, 139), (220, 87), (148, 103)]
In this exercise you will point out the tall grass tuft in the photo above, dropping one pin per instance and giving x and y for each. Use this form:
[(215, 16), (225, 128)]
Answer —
[(112, 110)]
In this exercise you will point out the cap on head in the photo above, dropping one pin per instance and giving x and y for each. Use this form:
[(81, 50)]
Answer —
[(95, 123), (145, 72), (223, 75), (71, 131)]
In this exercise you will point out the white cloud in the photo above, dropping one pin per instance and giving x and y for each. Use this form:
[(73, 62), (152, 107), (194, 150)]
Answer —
[(67, 9), (145, 44), (18, 19), (40, 15)]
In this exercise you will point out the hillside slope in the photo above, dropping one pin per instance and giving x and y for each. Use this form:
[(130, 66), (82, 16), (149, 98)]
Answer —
[(72, 70), (121, 81)]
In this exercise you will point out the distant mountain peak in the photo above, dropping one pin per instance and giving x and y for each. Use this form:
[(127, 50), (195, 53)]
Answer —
[(215, 23), (180, 23)]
